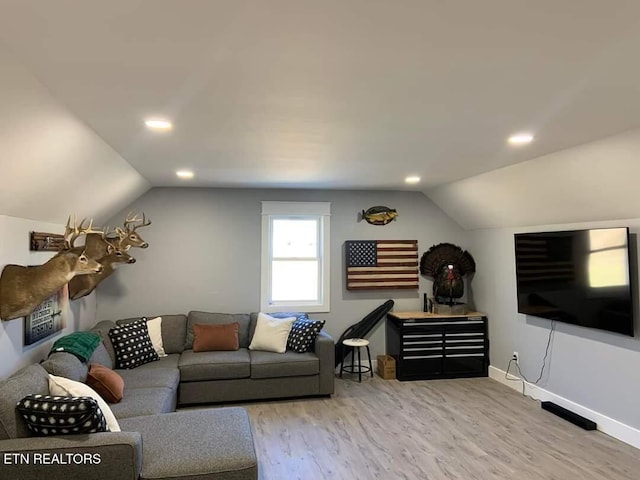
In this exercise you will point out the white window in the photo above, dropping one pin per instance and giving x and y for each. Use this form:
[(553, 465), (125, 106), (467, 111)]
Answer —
[(295, 256)]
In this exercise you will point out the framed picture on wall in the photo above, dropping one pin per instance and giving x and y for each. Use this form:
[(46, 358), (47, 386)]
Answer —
[(47, 319)]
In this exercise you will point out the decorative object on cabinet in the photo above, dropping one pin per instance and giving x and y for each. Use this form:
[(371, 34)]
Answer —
[(447, 264), (379, 215), (381, 264), (428, 346)]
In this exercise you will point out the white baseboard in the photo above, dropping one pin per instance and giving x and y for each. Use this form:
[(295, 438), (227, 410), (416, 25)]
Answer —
[(607, 425)]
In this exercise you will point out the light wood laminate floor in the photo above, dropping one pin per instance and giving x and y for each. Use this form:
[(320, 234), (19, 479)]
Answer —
[(429, 430)]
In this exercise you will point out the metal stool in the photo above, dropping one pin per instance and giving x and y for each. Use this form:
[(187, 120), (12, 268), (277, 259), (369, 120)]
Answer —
[(356, 343)]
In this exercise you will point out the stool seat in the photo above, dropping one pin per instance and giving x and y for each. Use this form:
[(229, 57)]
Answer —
[(359, 368), (355, 342)]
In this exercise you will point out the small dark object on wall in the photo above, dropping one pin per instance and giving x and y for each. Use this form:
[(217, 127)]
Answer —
[(447, 264), (379, 215), (46, 242)]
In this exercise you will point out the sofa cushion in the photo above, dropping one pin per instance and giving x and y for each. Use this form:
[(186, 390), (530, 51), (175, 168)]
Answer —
[(32, 379), (211, 338), (154, 326), (221, 445), (138, 402), (170, 361), (174, 331), (53, 415), (289, 364), (101, 356), (109, 384), (150, 377), (64, 387), (66, 365), (303, 334), (253, 319), (102, 328), (132, 345), (218, 319), (196, 366), (271, 333)]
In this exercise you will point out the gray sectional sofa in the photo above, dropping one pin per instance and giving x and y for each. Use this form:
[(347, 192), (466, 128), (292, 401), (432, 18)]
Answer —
[(156, 442)]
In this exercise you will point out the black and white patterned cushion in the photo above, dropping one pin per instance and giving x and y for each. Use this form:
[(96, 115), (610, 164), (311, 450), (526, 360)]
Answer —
[(303, 334), (132, 344), (52, 415)]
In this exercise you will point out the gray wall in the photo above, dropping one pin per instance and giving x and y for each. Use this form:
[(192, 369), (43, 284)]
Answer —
[(205, 252), (14, 248), (593, 368)]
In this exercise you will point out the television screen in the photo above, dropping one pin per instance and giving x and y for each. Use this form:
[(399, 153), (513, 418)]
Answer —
[(580, 277)]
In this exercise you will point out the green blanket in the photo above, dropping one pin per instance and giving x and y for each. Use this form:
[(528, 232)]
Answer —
[(80, 344)]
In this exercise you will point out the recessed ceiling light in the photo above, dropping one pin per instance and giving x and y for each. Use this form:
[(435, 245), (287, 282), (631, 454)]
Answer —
[(520, 139), (158, 124), (184, 174), (412, 179)]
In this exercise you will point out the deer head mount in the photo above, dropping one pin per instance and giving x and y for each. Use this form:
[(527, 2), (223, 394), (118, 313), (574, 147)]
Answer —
[(129, 236), (22, 289), (110, 249), (83, 285), (97, 243)]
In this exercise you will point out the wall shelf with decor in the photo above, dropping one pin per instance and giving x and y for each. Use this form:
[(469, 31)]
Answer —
[(429, 346)]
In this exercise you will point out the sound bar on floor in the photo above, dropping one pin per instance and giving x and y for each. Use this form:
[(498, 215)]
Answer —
[(569, 416)]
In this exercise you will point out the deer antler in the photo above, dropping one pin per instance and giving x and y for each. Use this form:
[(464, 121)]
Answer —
[(71, 234), (132, 219), (118, 242), (145, 222)]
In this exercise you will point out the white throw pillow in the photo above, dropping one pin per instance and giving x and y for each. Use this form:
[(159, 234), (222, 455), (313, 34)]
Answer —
[(155, 333), (271, 333), (63, 387)]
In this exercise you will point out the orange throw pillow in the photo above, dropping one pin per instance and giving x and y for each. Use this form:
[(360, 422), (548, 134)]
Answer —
[(210, 337), (108, 384)]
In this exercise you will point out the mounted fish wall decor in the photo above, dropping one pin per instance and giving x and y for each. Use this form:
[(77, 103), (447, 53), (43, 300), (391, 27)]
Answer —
[(379, 215)]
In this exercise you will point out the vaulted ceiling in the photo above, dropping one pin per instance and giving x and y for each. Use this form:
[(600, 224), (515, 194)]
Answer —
[(353, 94)]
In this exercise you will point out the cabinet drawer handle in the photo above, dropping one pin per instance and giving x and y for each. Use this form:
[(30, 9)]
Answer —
[(466, 355), (426, 324), (437, 335), (418, 357), (479, 341)]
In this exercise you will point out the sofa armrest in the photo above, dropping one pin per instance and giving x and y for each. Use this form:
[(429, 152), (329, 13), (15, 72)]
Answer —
[(105, 455), (324, 348)]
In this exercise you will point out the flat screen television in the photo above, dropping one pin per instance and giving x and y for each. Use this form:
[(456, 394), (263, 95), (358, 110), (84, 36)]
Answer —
[(580, 277)]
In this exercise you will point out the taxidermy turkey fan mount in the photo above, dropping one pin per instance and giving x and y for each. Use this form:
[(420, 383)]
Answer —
[(447, 264)]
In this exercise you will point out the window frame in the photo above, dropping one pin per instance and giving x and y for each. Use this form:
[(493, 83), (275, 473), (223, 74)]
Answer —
[(317, 211)]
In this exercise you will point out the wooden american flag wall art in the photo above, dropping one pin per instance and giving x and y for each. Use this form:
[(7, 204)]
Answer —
[(381, 264)]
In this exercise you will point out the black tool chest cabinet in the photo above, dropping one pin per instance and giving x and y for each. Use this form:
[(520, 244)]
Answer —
[(428, 346)]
